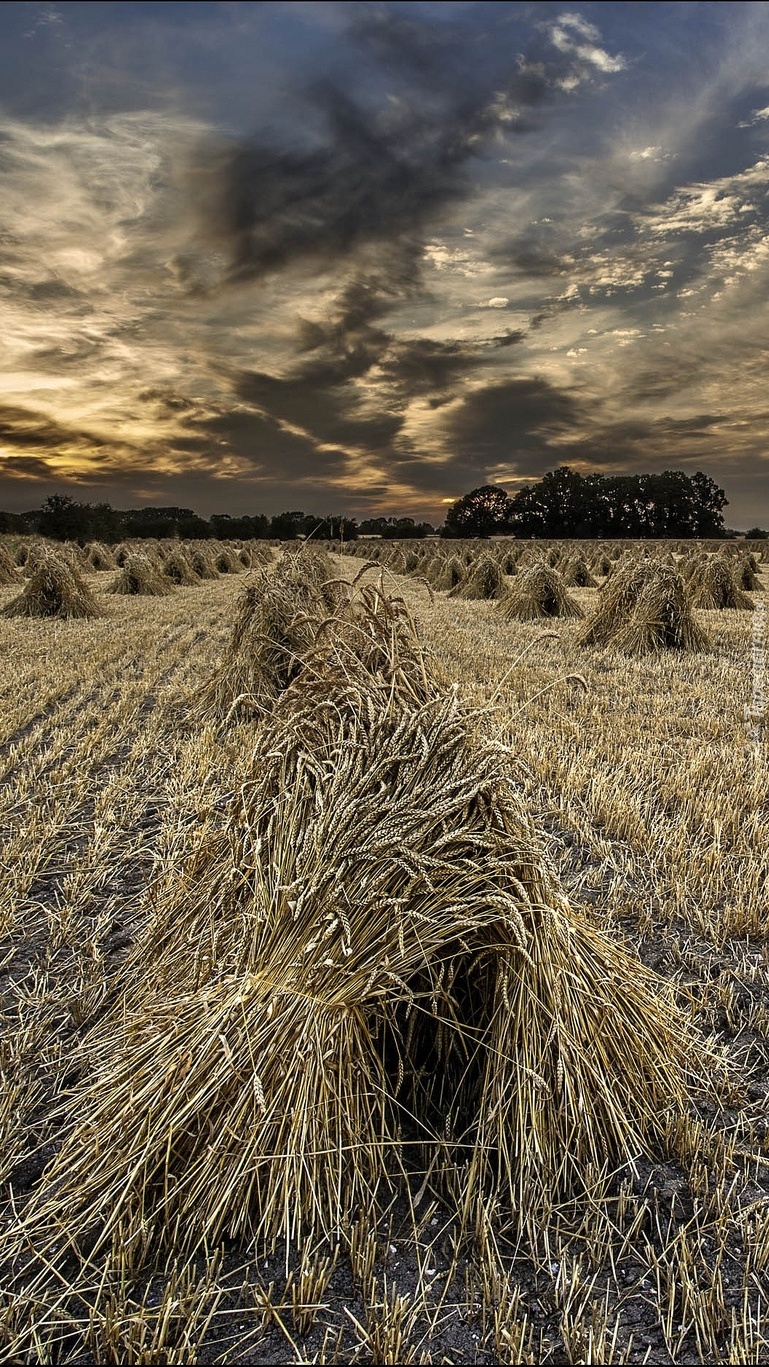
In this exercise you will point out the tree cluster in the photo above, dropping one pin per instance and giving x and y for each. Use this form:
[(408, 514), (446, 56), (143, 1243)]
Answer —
[(63, 519), (566, 504)]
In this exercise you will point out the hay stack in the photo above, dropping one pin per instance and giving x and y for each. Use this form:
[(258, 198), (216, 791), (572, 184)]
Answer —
[(483, 579), (67, 551), (716, 587), (644, 609), (262, 555), (747, 573), (369, 974), (8, 571), (538, 591), (617, 604), (412, 560), (99, 557), (277, 618), (450, 573), (313, 565), (692, 565), (508, 559), (54, 589), (178, 569), (202, 563), (576, 574), (141, 577), (226, 562)]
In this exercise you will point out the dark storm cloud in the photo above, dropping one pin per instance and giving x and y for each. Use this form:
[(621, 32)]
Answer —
[(648, 443), (362, 175), (531, 258), (24, 427), (271, 448), (652, 385), (23, 468), (426, 366), (496, 424), (346, 344), (325, 411), (368, 175)]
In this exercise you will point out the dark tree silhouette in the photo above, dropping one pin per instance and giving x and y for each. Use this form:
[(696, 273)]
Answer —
[(482, 512)]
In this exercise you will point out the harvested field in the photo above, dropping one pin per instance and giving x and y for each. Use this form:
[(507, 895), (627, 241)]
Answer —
[(503, 1186)]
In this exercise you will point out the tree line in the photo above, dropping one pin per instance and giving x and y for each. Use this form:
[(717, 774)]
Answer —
[(62, 518), (563, 503)]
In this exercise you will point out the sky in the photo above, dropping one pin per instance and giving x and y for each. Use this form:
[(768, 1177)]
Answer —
[(365, 257)]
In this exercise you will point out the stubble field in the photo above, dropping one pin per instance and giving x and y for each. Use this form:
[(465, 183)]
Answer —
[(650, 798)]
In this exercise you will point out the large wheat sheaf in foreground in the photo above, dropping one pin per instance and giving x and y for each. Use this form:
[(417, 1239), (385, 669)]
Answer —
[(368, 974)]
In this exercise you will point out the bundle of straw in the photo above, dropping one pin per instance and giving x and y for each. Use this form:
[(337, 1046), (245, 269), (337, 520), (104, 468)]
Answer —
[(449, 573), (202, 563), (276, 621), (747, 573), (54, 589), (645, 609), (178, 569), (140, 577), (226, 562), (508, 559), (577, 575), (716, 586), (617, 604), (483, 579), (8, 571), (370, 972), (99, 557), (538, 591)]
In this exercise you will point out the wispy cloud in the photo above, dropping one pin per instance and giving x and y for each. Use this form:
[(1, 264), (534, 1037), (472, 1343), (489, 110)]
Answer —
[(580, 40)]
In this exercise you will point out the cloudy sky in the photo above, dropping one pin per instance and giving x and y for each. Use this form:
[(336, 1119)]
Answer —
[(364, 257)]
